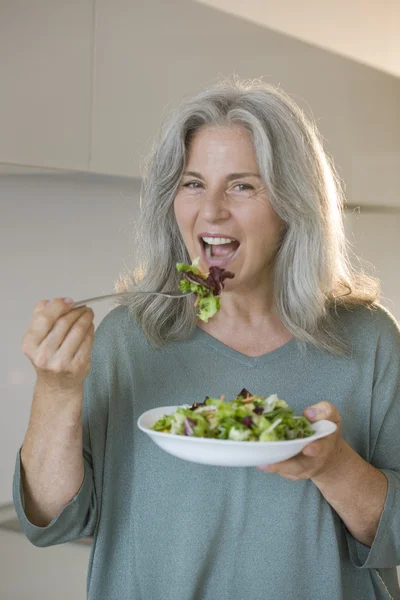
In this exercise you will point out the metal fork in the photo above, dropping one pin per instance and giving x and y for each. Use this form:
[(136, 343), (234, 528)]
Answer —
[(172, 294)]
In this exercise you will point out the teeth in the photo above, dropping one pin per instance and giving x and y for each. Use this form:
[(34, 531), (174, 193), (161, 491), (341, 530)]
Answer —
[(216, 241)]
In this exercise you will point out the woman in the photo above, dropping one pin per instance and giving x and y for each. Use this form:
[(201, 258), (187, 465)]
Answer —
[(238, 177)]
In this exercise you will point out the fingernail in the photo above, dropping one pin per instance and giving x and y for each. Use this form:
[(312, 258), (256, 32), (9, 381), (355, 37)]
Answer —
[(263, 468), (68, 301), (49, 302), (311, 412)]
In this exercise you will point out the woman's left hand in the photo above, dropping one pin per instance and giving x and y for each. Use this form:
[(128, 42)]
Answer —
[(318, 457)]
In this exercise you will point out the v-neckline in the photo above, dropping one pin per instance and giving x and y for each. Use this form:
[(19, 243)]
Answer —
[(287, 349)]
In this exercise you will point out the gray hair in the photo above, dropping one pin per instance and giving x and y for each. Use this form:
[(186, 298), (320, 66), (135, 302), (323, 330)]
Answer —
[(313, 273)]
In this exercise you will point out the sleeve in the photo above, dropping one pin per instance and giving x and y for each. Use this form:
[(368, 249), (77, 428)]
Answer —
[(79, 517), (384, 450), (76, 520)]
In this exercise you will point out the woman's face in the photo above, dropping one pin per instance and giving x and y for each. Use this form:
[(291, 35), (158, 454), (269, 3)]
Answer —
[(222, 206)]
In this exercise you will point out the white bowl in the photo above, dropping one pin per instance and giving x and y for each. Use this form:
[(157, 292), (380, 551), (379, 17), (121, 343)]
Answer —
[(226, 453)]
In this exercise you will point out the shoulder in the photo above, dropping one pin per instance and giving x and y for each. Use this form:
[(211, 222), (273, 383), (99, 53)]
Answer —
[(369, 325), (119, 329), (118, 318)]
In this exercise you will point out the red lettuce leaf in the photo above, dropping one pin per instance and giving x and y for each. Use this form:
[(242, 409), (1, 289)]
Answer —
[(214, 282)]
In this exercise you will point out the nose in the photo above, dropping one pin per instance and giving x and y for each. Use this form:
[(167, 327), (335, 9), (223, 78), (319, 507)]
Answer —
[(214, 206)]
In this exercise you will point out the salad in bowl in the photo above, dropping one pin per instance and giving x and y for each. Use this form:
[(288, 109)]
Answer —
[(245, 418), (247, 431)]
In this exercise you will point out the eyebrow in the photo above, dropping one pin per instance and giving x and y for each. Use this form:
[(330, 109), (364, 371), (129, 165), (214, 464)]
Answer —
[(228, 177)]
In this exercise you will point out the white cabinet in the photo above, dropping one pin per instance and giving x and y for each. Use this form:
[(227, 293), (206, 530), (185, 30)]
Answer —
[(150, 54), (85, 84), (45, 75)]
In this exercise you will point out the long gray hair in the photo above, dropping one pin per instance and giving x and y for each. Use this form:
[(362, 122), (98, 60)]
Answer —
[(312, 271)]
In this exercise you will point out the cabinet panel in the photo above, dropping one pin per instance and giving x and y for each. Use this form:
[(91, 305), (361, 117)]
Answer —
[(150, 54), (45, 74)]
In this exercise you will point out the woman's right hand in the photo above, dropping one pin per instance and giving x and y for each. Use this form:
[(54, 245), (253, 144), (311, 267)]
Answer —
[(58, 343)]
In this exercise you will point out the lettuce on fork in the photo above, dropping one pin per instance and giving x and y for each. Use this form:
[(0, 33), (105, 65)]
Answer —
[(206, 286)]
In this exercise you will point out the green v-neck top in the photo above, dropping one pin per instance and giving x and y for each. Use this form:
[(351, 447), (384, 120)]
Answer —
[(167, 529)]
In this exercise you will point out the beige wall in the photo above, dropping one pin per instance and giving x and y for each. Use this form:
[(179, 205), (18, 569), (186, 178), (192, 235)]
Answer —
[(60, 235), (375, 238)]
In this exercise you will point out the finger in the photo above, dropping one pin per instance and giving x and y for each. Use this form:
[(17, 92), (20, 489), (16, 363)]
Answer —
[(73, 336), (315, 448), (44, 303), (322, 410), (86, 343), (263, 468), (82, 355), (61, 325), (39, 306), (292, 466), (45, 316), (295, 471)]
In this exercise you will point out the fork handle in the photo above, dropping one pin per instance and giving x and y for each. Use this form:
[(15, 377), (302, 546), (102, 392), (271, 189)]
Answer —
[(83, 302)]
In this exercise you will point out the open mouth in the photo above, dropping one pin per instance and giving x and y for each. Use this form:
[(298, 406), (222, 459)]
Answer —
[(218, 250)]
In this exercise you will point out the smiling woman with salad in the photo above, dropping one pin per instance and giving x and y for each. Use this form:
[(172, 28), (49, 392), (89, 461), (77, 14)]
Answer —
[(239, 180)]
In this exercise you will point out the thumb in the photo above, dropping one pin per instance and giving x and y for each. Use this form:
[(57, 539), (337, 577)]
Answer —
[(322, 410)]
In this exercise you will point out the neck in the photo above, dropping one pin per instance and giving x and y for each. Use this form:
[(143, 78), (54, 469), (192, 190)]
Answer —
[(247, 323), (248, 310)]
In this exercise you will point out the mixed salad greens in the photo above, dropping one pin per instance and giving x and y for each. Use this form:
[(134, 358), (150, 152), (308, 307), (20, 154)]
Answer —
[(246, 418), (207, 287)]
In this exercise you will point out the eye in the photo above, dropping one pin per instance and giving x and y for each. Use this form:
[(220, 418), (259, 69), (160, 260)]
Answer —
[(196, 185), (192, 183), (245, 186)]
